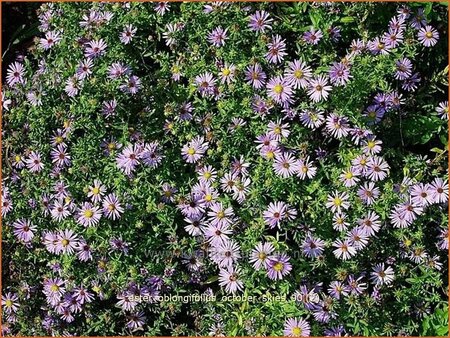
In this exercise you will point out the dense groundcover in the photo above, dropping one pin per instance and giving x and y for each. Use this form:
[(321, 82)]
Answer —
[(290, 155)]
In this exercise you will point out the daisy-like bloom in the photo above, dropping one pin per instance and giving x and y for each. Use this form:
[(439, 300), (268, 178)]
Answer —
[(274, 214), (285, 165), (217, 234), (339, 74), (397, 23), (10, 303), (227, 73), (6, 205), (312, 36), (411, 83), (356, 47), (419, 20), (355, 285), (403, 69), (313, 247), (218, 36), (118, 69), (151, 155), (377, 46), (296, 327), (260, 254), (59, 210), (357, 238), (277, 49), (176, 72), (421, 194), (112, 208), (229, 279), (374, 114), (428, 36), (170, 34), (194, 150), (132, 85), (337, 126), (240, 166), (206, 84), (59, 156), (338, 202), (24, 230), (84, 69), (18, 161), (73, 86), (220, 216), (51, 39), (34, 163), (368, 193), (54, 289), (126, 301), (393, 38), (439, 190), (67, 241), (278, 266), (168, 193), (255, 76), (225, 254), (109, 108), (15, 73), (228, 181), (129, 158), (306, 169), (377, 169), (195, 227), (340, 222), (185, 112), (370, 224), (404, 12), (278, 130), (96, 191), (260, 21), (371, 146), (318, 88), (312, 119), (418, 255), (433, 262), (192, 206), (335, 331), (207, 174), (280, 90), (95, 48), (442, 110), (338, 289), (350, 177), (344, 250), (88, 215), (381, 275), (136, 320), (84, 252), (193, 261), (298, 74), (162, 7), (241, 189), (127, 35)]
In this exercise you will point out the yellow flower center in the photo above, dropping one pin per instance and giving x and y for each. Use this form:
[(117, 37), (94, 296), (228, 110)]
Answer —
[(298, 74), (278, 266), (278, 88), (220, 214), (208, 198), (191, 151), (262, 255), (54, 288), (429, 35), (348, 175), (270, 155), (111, 207), (226, 72), (305, 169), (18, 158), (59, 139), (88, 213), (277, 130), (111, 146), (65, 242), (207, 175), (96, 191), (296, 331), (337, 201), (9, 303), (370, 144)]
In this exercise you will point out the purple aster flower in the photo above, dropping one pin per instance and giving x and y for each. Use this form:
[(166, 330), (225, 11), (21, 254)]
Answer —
[(338, 331), (162, 7), (410, 84), (350, 177), (194, 150), (112, 208), (218, 215), (109, 108), (393, 38), (127, 35), (374, 114), (318, 88), (381, 275), (355, 285), (368, 193), (51, 39), (260, 21), (442, 110), (84, 69), (225, 254), (280, 90), (6, 205), (439, 190), (227, 73), (84, 252), (397, 23), (129, 158), (206, 84), (15, 74), (132, 86), (338, 201), (356, 47), (277, 50), (306, 169), (370, 224), (428, 36), (54, 289), (195, 227), (312, 119), (185, 111), (168, 193), (313, 247), (418, 20), (255, 76), (34, 163), (358, 238), (344, 250), (275, 213), (312, 36), (218, 36), (278, 266), (285, 165), (60, 157), (298, 74), (259, 255), (88, 215), (73, 86), (278, 130), (217, 234), (151, 155), (377, 169), (338, 289), (339, 74), (193, 206), (334, 33), (229, 279), (377, 46), (403, 69), (421, 194), (67, 241), (118, 69), (136, 320), (296, 327), (10, 303), (95, 48)]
